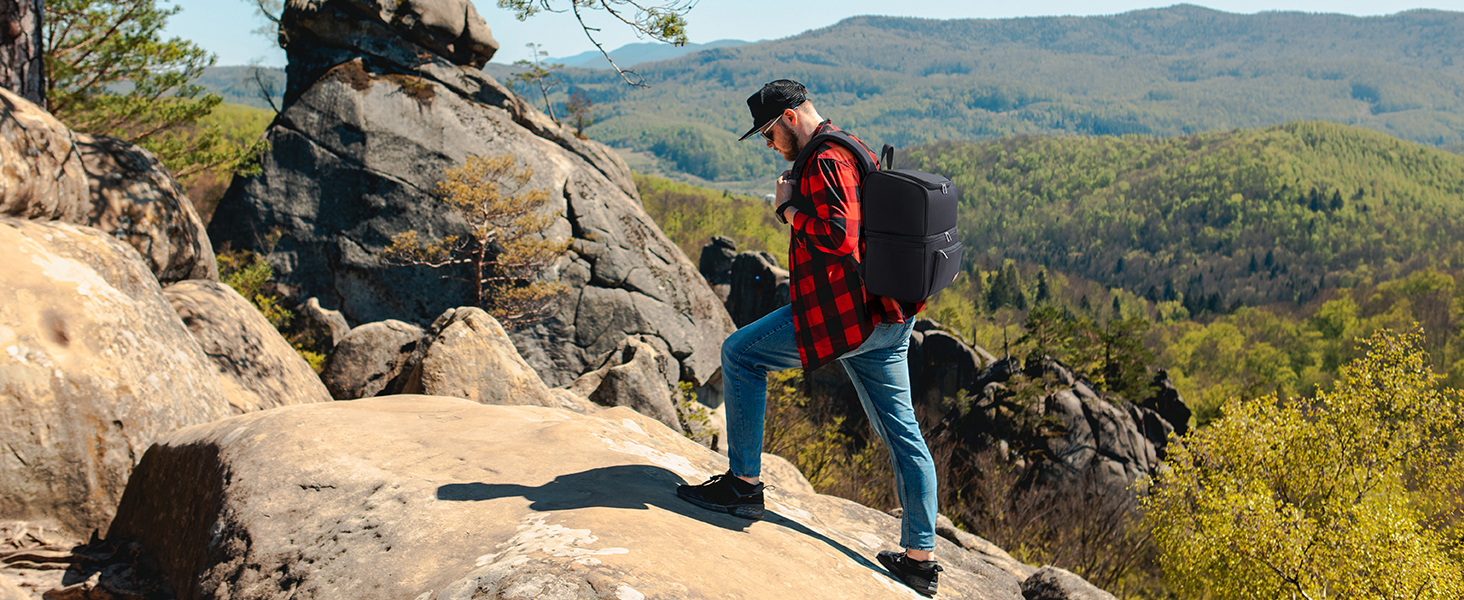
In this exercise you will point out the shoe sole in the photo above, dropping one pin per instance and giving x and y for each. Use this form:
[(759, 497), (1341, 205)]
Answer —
[(750, 512), (889, 565)]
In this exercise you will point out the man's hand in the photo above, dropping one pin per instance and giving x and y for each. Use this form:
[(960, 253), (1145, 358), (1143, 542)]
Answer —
[(784, 190)]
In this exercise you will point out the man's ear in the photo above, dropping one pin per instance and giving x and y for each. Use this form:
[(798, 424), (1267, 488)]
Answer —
[(790, 117)]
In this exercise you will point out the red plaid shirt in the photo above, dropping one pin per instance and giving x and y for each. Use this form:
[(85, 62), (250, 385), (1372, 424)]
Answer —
[(832, 312)]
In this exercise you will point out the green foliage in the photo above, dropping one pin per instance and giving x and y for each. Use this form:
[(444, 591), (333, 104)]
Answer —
[(506, 248), (111, 73), (814, 436), (253, 277), (537, 73), (692, 215), (1325, 205), (1353, 494)]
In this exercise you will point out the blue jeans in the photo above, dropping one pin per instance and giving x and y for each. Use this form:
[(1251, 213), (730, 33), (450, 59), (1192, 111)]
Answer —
[(881, 377)]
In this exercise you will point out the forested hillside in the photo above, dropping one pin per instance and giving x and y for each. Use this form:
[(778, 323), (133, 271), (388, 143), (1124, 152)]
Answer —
[(1214, 220), (1164, 72)]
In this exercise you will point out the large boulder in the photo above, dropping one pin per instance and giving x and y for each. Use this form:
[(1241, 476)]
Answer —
[(715, 265), (637, 376), (374, 359), (95, 365), (257, 368), (467, 354), (436, 498), (134, 197), (372, 120), (1053, 583), (41, 175)]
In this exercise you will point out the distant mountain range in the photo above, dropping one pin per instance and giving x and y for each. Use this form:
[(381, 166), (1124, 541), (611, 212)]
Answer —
[(1161, 72), (633, 54)]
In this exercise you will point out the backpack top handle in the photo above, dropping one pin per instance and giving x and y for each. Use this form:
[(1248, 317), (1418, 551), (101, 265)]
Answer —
[(887, 157)]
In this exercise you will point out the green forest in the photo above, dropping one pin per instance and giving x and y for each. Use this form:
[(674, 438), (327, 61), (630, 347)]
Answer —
[(1165, 72), (1253, 259)]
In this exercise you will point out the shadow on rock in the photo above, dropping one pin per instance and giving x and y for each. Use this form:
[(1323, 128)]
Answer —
[(632, 487)]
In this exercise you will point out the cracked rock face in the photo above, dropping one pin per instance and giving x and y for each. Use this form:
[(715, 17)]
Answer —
[(431, 498), (373, 120), (94, 367)]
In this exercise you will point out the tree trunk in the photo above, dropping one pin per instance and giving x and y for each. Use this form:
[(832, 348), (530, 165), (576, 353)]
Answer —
[(22, 66)]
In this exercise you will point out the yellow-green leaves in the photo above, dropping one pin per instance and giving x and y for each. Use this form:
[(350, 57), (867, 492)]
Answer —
[(1352, 494)]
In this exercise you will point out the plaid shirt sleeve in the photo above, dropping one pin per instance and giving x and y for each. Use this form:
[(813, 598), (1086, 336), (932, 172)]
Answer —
[(834, 191)]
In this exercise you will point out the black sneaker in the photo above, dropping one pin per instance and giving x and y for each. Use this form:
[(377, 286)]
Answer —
[(726, 493), (924, 576)]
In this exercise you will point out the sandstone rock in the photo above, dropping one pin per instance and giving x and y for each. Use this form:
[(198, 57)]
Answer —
[(982, 549), (325, 320), (372, 120), (948, 367), (759, 286), (373, 359), (49, 173), (1052, 583), (136, 199), (435, 498), (468, 355), (10, 591), (635, 375), (1075, 449), (41, 175), (258, 369), (96, 366)]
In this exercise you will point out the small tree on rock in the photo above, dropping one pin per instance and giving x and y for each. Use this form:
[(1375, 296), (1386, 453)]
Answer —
[(578, 109), (505, 250)]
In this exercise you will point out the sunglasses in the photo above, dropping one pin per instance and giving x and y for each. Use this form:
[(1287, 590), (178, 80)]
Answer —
[(767, 130)]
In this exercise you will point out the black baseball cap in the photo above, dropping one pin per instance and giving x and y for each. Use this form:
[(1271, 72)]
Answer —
[(770, 101)]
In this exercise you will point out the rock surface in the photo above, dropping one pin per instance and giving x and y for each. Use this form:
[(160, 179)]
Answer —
[(435, 498), (257, 368), (1052, 583), (372, 360), (134, 197), (372, 120), (636, 376), (715, 265), (759, 286), (468, 355), (95, 365), (41, 175), (49, 173)]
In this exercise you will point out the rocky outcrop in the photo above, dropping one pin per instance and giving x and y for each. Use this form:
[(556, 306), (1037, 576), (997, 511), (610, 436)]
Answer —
[(636, 376), (435, 498), (1052, 583), (467, 354), (759, 286), (96, 366), (319, 318), (374, 359), (715, 265), (257, 368), (134, 197), (41, 175), (49, 173), (941, 364), (372, 120)]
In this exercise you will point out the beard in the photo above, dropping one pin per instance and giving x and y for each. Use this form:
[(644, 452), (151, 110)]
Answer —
[(794, 146)]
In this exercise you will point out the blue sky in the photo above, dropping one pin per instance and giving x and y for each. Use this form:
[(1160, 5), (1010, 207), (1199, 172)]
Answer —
[(224, 26)]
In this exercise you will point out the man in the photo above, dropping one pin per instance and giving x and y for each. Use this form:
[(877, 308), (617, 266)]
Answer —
[(832, 317)]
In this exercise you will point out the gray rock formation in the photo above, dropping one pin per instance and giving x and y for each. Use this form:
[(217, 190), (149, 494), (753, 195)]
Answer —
[(637, 376), (372, 360), (96, 366), (49, 173), (373, 119), (467, 354), (942, 365), (257, 368), (436, 498), (759, 286), (715, 265), (322, 319), (1052, 583)]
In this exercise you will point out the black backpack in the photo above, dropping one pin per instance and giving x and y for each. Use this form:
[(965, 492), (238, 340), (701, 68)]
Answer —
[(911, 250)]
